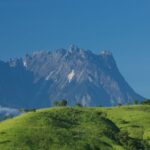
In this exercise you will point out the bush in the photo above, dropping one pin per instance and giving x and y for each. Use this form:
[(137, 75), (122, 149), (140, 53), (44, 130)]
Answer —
[(146, 102), (119, 104), (27, 110), (79, 104), (63, 102), (136, 101)]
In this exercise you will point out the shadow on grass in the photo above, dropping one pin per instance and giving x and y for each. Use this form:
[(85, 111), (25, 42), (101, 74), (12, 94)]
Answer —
[(4, 142)]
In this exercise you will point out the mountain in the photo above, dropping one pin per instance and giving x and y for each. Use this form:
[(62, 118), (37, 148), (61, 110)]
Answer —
[(17, 87), (74, 74)]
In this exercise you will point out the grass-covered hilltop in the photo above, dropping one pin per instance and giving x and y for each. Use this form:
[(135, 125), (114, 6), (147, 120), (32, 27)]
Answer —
[(78, 128)]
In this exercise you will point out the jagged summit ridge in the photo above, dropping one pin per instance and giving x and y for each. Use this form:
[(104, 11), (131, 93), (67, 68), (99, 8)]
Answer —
[(73, 47), (75, 74), (105, 52)]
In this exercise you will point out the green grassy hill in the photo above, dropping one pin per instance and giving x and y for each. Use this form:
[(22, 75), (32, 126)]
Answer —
[(77, 128)]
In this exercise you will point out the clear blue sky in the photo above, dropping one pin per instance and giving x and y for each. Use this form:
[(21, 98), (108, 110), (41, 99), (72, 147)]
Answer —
[(123, 27)]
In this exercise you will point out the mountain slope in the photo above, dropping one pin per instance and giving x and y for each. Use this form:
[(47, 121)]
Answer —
[(80, 75), (17, 87), (74, 74), (78, 128)]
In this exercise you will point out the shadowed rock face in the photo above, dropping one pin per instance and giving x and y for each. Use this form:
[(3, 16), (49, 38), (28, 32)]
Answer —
[(74, 74)]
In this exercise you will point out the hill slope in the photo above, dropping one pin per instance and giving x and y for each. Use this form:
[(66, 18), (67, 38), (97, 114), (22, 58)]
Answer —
[(78, 129)]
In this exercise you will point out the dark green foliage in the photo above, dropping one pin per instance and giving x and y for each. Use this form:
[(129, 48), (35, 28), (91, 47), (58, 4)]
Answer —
[(63, 102), (131, 143), (27, 110), (136, 101), (79, 104), (146, 102), (123, 122), (119, 104)]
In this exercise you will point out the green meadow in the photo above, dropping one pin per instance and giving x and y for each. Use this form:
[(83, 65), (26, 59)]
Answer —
[(78, 128)]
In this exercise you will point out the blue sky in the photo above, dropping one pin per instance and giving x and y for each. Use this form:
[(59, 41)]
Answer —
[(122, 27)]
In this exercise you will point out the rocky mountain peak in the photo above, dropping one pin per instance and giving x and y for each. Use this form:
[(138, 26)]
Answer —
[(105, 53), (73, 48), (75, 74), (15, 62)]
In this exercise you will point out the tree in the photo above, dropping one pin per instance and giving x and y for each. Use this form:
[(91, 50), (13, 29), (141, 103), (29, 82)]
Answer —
[(23, 110), (60, 103), (119, 104), (79, 104), (63, 102), (146, 102), (136, 101)]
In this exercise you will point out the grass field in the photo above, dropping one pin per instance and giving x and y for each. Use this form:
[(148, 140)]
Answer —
[(77, 128)]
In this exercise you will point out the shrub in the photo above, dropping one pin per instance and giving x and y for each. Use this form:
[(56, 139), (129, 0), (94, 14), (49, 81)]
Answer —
[(79, 104), (119, 104), (136, 101), (27, 110), (146, 102), (63, 102)]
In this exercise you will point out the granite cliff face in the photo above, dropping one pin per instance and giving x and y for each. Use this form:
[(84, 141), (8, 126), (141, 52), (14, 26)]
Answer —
[(74, 74)]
